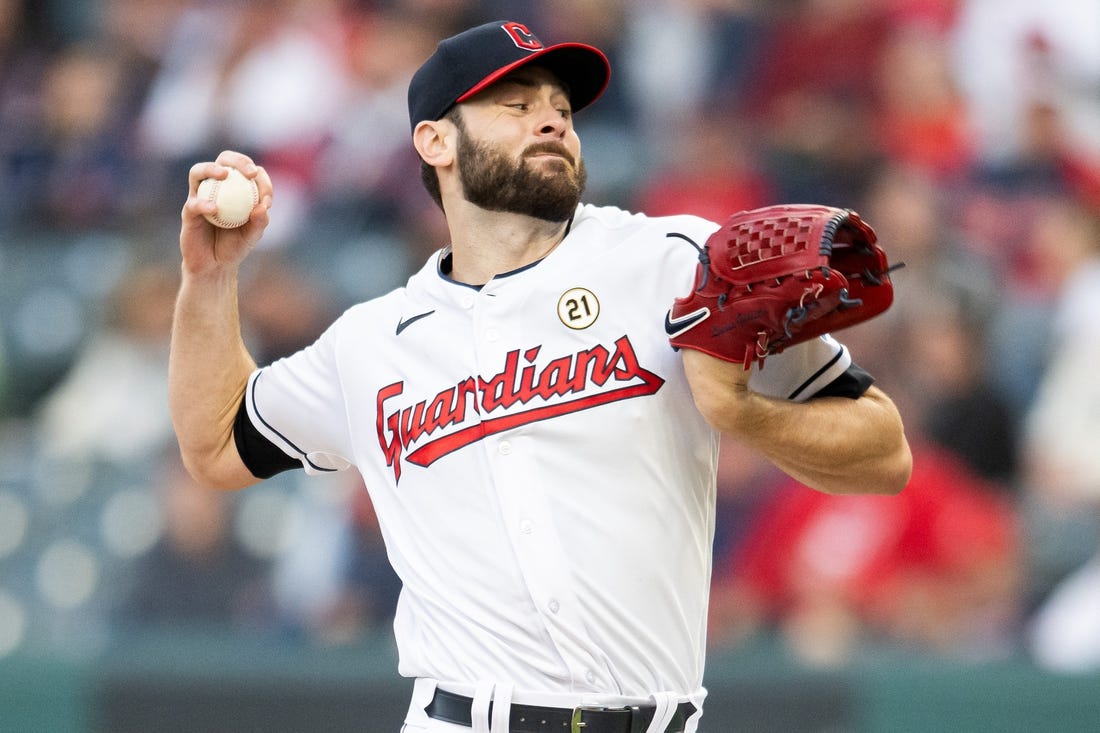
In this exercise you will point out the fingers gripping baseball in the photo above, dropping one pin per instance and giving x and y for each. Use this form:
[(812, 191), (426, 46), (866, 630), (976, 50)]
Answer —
[(774, 277), (226, 211)]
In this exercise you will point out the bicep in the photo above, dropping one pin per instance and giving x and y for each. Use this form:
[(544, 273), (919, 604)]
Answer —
[(223, 469)]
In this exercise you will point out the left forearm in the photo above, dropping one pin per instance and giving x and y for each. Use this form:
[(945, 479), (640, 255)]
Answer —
[(833, 444)]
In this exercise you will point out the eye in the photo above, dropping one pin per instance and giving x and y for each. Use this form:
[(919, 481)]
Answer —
[(521, 106)]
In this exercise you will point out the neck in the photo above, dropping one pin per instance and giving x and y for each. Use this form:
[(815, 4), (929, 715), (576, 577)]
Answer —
[(488, 243)]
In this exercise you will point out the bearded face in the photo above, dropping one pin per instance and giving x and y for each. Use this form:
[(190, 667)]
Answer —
[(545, 189)]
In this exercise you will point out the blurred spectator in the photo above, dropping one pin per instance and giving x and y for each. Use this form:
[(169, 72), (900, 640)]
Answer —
[(112, 404), (811, 98), (955, 405), (310, 573), (139, 30), (1063, 424), (913, 216), (365, 193), (1015, 56), (221, 70), (446, 17), (711, 173), (263, 77), (383, 49), (935, 568), (333, 581), (24, 56), (943, 274), (919, 118), (372, 583), (1065, 634), (663, 72), (801, 52), (90, 172), (746, 482), (1062, 427), (945, 299), (679, 61), (198, 575), (282, 308)]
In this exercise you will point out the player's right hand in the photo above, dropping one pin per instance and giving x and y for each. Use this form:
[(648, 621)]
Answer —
[(206, 248)]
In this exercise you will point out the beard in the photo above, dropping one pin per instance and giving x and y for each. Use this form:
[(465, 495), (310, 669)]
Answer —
[(497, 182)]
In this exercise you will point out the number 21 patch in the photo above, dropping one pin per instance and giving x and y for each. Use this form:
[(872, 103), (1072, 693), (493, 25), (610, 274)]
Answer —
[(578, 308)]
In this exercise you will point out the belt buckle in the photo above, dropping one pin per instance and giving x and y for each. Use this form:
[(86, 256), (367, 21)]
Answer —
[(576, 723)]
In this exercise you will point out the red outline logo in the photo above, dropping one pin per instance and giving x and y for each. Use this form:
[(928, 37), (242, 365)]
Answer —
[(522, 36)]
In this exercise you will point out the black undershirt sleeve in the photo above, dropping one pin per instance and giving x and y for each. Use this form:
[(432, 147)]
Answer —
[(852, 384), (262, 457)]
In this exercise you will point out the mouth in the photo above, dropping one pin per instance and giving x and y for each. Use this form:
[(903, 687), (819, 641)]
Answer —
[(545, 154), (551, 160)]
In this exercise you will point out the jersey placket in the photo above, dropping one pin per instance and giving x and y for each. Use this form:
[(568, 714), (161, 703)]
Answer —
[(498, 323)]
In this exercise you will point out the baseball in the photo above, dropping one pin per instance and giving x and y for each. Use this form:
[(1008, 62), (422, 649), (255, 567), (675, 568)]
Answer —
[(235, 198)]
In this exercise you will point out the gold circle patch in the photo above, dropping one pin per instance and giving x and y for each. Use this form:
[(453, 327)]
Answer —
[(578, 308)]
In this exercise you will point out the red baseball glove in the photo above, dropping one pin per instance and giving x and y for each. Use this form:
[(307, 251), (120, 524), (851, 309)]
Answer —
[(778, 276)]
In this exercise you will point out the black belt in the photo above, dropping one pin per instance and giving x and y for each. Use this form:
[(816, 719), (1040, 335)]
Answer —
[(452, 708)]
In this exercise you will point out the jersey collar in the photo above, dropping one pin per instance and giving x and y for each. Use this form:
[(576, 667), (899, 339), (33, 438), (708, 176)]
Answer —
[(445, 263)]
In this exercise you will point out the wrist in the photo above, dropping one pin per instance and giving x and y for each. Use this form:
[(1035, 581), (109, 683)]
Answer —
[(722, 394), (209, 277)]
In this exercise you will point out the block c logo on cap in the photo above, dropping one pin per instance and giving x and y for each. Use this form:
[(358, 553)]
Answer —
[(522, 36)]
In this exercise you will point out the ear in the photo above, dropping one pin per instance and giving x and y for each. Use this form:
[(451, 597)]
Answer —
[(435, 142)]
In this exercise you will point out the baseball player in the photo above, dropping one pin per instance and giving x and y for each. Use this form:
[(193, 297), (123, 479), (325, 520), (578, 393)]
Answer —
[(541, 456)]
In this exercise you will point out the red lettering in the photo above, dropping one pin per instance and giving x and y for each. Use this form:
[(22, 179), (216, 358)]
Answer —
[(500, 390), (625, 361), (555, 378), (596, 358), (526, 387), (412, 423), (562, 376), (391, 449)]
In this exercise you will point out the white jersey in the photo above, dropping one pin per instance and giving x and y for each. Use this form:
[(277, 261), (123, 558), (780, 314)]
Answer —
[(544, 483)]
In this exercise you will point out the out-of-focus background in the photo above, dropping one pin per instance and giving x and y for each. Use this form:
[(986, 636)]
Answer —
[(966, 131)]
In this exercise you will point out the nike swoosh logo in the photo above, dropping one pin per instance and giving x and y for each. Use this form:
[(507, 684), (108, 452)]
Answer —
[(402, 325), (676, 326)]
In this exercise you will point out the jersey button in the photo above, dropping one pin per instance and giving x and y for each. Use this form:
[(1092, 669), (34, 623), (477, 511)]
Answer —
[(527, 526), (468, 302), (492, 335), (554, 606), (505, 448), (590, 676)]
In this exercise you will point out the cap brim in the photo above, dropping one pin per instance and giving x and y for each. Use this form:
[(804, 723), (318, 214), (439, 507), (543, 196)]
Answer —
[(584, 69)]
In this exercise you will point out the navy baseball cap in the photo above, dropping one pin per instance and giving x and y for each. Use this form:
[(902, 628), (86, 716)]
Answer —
[(470, 61)]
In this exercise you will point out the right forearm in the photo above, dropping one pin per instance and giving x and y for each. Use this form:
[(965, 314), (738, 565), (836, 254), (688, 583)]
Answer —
[(208, 371), (209, 366)]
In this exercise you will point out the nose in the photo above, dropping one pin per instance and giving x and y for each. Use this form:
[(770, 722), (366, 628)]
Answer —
[(556, 130), (551, 122)]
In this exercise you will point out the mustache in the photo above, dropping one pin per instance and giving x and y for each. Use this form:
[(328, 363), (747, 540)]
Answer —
[(552, 148)]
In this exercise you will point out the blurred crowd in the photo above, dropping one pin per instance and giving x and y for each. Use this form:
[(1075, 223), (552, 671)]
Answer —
[(966, 131)]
